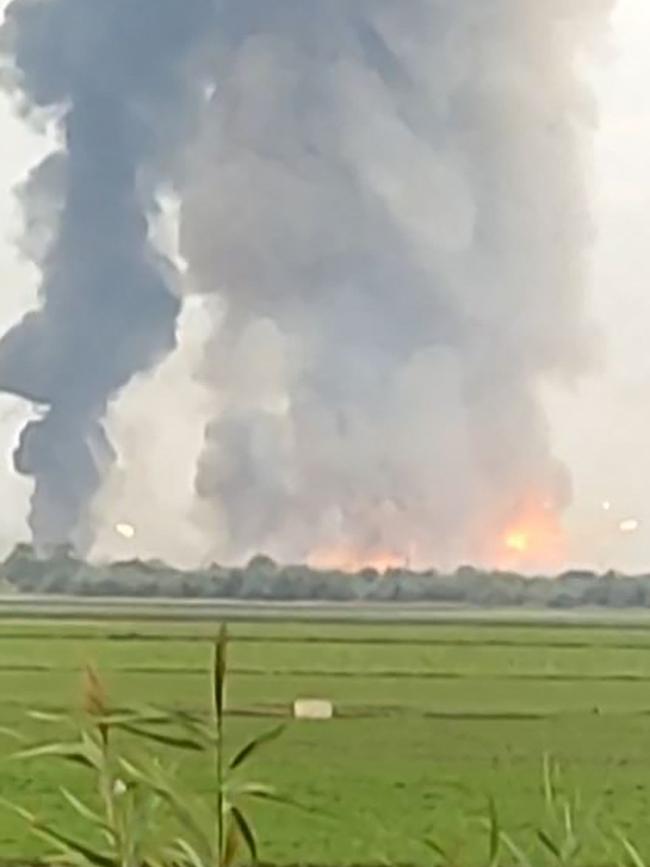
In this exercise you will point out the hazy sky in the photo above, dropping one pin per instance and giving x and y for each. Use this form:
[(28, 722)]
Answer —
[(20, 149), (602, 429)]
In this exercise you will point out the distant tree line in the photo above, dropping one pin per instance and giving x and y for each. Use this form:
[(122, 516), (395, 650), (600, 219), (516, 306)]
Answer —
[(64, 573)]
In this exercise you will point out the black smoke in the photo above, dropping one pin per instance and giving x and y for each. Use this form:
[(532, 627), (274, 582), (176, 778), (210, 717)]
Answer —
[(117, 76)]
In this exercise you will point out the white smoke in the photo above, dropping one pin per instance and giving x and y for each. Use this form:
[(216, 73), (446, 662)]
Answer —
[(146, 506), (391, 198), (157, 426)]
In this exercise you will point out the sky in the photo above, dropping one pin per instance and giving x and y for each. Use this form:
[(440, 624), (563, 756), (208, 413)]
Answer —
[(21, 148), (600, 428)]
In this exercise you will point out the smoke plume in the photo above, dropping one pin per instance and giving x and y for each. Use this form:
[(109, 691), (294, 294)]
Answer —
[(114, 73), (391, 198)]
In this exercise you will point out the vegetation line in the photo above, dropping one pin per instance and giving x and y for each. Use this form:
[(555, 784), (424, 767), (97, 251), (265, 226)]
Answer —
[(352, 674), (327, 640)]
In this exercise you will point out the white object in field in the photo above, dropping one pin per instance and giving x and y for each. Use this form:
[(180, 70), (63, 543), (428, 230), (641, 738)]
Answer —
[(310, 708)]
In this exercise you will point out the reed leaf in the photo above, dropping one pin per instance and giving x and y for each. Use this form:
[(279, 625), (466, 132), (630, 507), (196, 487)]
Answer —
[(12, 734), (189, 852), (549, 844), (164, 739), (495, 834), (179, 807), (18, 810), (570, 849), (568, 819), (70, 845), (69, 752), (246, 831), (85, 811), (231, 846), (219, 670), (517, 851), (252, 746), (267, 793), (547, 778), (632, 852), (47, 716), (435, 847)]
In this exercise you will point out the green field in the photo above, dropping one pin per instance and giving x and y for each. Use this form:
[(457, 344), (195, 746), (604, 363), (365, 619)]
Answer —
[(431, 721)]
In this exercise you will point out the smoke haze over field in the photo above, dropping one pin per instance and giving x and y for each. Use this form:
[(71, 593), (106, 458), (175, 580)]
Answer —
[(390, 201)]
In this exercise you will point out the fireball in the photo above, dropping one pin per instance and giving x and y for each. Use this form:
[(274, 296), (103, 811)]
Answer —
[(535, 538), (518, 540)]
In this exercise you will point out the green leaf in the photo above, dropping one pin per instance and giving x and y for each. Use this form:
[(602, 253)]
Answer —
[(495, 834), (268, 793), (231, 846), (190, 853), (70, 752), (220, 662), (570, 848), (147, 716), (432, 844), (179, 807), (568, 819), (516, 850), (549, 844), (47, 716), (255, 744), (632, 852), (85, 811), (255, 790), (10, 733), (19, 811), (246, 832), (549, 791), (166, 740), (134, 771), (192, 723), (68, 844), (153, 715)]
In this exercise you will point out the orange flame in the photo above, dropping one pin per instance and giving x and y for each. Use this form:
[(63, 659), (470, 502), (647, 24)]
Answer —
[(518, 540), (534, 538)]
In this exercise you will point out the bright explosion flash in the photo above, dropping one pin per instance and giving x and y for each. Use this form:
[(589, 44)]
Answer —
[(517, 541), (534, 539)]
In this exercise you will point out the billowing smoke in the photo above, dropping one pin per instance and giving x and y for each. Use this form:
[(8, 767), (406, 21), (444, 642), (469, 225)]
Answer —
[(391, 198), (115, 75)]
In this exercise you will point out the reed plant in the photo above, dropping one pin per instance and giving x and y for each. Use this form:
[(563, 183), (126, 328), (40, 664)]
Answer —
[(140, 816)]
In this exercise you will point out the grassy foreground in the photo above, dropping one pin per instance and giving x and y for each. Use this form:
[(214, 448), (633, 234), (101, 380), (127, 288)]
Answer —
[(432, 721)]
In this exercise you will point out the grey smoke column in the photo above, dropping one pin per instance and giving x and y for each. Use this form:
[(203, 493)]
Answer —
[(115, 72), (391, 198)]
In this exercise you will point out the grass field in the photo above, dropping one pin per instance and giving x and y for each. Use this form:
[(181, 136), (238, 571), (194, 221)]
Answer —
[(432, 720)]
